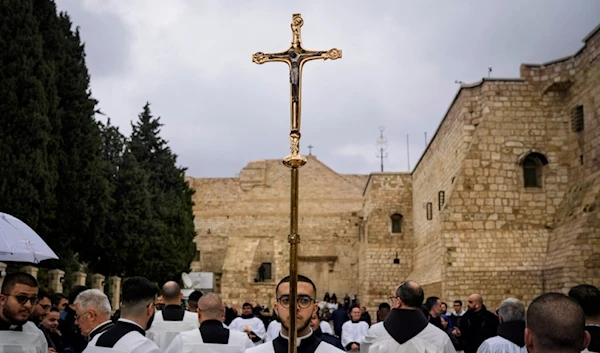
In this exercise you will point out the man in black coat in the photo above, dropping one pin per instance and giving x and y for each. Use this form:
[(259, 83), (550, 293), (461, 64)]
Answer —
[(476, 325)]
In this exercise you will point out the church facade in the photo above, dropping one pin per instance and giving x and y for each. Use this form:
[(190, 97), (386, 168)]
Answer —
[(504, 202)]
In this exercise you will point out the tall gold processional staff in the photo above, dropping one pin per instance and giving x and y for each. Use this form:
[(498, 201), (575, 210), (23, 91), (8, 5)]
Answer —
[(295, 56)]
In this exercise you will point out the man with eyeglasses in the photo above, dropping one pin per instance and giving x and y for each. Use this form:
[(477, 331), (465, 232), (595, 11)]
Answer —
[(406, 329), (137, 313), (92, 313), (306, 341), (42, 308), (18, 297)]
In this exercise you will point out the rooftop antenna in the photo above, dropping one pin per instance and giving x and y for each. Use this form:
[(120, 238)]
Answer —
[(458, 82), (310, 147), (489, 71), (381, 145)]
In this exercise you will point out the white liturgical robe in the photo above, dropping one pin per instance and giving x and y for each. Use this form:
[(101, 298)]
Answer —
[(131, 342), (191, 342), (188, 316), (253, 324), (30, 340), (326, 327), (273, 330), (412, 329), (353, 332), (307, 344), (499, 344)]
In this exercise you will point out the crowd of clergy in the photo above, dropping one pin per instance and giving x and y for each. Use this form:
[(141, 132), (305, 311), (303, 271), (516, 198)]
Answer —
[(31, 321)]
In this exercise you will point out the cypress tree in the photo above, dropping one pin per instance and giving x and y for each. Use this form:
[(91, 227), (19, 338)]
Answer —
[(28, 99), (168, 241), (82, 192)]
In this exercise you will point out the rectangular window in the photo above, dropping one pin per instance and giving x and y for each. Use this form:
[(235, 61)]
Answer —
[(267, 271), (429, 211), (577, 119), (441, 199)]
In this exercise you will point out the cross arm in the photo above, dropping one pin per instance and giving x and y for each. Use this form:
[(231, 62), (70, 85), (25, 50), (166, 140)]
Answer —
[(261, 58), (331, 54)]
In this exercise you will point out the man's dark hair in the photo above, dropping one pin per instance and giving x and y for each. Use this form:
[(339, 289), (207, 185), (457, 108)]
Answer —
[(411, 294), (54, 310), (246, 304), (459, 302), (138, 289), (56, 298), (431, 302), (43, 294), (75, 292), (195, 296), (193, 299), (18, 278), (301, 278), (384, 306), (588, 298), (557, 323)]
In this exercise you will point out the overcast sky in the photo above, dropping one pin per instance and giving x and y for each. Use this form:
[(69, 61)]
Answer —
[(192, 60)]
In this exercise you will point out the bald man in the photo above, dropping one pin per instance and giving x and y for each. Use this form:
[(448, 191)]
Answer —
[(210, 315), (173, 311), (477, 324), (556, 323)]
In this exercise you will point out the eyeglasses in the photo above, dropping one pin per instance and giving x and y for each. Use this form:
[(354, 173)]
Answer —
[(23, 299), (303, 301), (45, 306), (392, 299)]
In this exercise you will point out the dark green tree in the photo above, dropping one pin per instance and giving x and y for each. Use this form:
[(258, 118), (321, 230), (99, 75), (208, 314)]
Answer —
[(28, 103), (82, 191), (167, 241)]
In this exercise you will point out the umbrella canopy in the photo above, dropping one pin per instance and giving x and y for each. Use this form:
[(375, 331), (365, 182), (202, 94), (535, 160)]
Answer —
[(20, 243)]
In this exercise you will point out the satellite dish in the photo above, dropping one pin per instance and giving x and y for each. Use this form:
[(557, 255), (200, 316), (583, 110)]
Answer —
[(187, 281)]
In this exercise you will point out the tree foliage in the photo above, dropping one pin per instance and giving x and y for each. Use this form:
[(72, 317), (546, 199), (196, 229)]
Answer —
[(120, 205)]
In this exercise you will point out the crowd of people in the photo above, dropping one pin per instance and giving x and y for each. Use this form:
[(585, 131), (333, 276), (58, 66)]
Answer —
[(150, 320)]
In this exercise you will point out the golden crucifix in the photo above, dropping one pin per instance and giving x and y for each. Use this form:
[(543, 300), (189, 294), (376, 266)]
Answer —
[(295, 56)]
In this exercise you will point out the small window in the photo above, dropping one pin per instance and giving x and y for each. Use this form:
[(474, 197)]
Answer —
[(197, 257), (396, 223), (577, 119), (441, 199), (533, 170), (429, 211), (265, 272)]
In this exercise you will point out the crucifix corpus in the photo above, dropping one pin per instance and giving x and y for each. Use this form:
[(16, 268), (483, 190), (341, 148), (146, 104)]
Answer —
[(295, 56)]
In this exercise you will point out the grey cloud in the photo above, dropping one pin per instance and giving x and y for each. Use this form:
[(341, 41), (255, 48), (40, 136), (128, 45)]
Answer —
[(400, 63), (107, 40)]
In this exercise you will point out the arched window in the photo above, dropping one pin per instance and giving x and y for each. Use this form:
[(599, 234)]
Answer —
[(396, 223), (533, 165)]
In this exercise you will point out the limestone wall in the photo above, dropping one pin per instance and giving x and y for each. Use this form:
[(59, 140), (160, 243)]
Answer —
[(386, 194), (574, 249), (243, 222), (435, 172)]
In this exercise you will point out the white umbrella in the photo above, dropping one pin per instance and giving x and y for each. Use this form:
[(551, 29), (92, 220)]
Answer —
[(20, 243)]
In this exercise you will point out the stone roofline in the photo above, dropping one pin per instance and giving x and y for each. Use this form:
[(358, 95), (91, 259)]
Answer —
[(381, 173), (463, 86), (595, 32)]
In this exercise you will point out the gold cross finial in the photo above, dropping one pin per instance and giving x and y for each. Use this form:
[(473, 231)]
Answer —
[(296, 56)]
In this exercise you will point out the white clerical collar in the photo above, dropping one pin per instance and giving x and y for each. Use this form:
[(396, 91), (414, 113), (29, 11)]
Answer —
[(131, 322), (298, 339), (104, 323)]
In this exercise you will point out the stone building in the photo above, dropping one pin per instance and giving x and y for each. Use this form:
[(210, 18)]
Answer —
[(504, 201)]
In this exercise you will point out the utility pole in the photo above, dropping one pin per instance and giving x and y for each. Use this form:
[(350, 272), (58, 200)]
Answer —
[(381, 144)]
